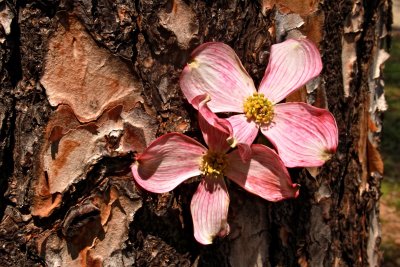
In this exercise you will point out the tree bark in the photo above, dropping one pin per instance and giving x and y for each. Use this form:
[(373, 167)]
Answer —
[(87, 84)]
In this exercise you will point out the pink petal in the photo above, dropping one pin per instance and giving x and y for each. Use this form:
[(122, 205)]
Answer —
[(244, 131), (291, 65), (167, 162), (217, 71), (217, 133), (263, 175), (303, 135), (209, 209)]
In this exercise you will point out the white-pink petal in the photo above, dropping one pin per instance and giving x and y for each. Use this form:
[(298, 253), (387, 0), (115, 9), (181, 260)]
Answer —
[(292, 64), (217, 71), (209, 208), (264, 174), (167, 162), (305, 136)]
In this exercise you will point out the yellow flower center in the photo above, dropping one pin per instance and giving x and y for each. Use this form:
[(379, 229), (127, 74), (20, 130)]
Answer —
[(213, 164), (259, 109)]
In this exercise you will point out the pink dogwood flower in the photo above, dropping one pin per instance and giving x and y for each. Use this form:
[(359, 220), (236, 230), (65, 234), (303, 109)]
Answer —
[(173, 158), (303, 135)]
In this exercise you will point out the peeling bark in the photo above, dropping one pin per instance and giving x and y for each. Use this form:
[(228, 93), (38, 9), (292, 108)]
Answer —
[(87, 84)]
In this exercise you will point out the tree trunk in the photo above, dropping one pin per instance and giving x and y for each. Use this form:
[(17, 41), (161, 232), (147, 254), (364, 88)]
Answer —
[(87, 84)]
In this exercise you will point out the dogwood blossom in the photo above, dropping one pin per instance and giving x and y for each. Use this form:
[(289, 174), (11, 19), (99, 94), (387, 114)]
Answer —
[(173, 158), (302, 134)]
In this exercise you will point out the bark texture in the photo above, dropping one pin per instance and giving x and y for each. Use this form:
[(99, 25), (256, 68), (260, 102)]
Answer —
[(87, 84)]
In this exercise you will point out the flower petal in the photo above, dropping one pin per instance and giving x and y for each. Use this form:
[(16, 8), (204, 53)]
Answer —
[(167, 162), (291, 65), (304, 135), (216, 70), (209, 209), (244, 131), (217, 133), (264, 174)]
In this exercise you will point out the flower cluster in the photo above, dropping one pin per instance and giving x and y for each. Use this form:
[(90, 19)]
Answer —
[(216, 82)]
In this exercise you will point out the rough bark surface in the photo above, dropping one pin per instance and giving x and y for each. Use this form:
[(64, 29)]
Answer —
[(87, 84)]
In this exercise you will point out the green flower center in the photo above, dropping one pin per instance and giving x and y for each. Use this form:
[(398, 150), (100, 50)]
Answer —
[(213, 164), (259, 109)]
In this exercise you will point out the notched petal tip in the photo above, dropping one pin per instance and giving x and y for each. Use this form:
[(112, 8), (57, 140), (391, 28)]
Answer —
[(135, 164), (232, 141), (193, 64), (225, 229), (201, 100), (327, 154)]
